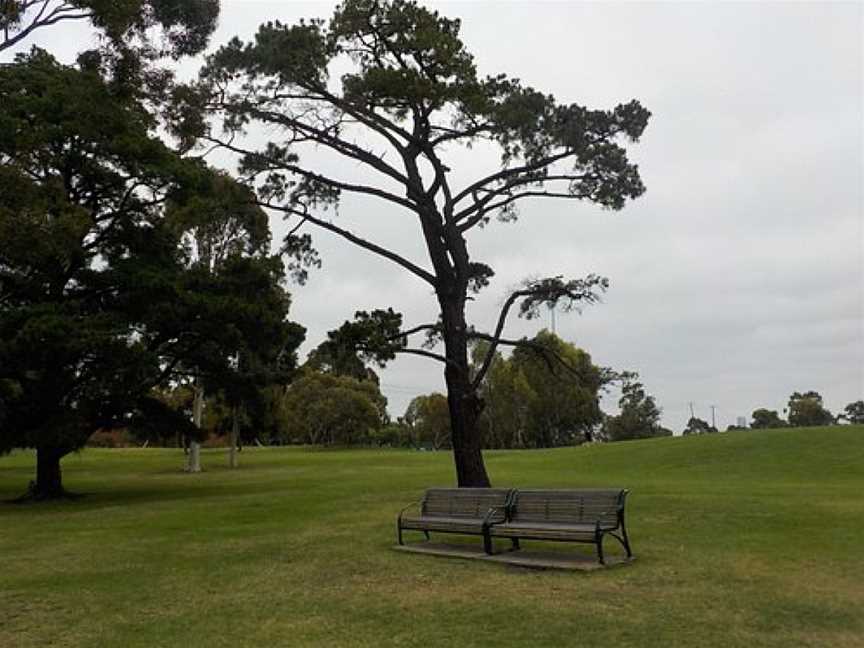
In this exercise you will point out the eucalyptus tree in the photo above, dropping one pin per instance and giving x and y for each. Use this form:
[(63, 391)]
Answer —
[(546, 394), (428, 421), (413, 94), (330, 409), (806, 410), (218, 225)]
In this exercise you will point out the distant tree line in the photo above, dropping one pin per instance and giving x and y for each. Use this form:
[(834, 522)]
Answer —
[(807, 410), (545, 394), (804, 409)]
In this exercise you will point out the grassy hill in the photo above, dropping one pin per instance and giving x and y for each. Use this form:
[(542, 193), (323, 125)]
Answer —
[(742, 539)]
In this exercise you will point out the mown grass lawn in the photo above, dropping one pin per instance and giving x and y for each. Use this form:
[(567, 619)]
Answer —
[(742, 539)]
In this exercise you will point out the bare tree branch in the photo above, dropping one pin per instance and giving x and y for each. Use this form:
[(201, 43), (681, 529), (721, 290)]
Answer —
[(278, 165), (425, 354), (63, 11), (549, 291), (356, 240), (508, 173), (495, 339), (548, 354)]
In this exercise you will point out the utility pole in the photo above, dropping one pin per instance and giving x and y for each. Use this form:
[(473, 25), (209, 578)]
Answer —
[(692, 415), (552, 315), (713, 420)]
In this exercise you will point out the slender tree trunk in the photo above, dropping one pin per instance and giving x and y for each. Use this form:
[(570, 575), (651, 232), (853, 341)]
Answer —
[(233, 438), (49, 481), (463, 402), (193, 463)]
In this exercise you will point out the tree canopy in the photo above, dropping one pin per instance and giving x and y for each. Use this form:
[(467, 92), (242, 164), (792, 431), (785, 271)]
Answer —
[(99, 298), (428, 421), (806, 410), (639, 417), (546, 394), (411, 94), (765, 418), (853, 413), (185, 25), (327, 409)]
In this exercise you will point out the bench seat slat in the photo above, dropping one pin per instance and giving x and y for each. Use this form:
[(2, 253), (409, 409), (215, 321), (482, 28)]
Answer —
[(435, 523), (514, 530)]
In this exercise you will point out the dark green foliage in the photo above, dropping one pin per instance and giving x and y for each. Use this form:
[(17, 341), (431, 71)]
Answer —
[(853, 413), (185, 25), (70, 156), (765, 418), (101, 296), (556, 292), (806, 410), (698, 426), (373, 337), (639, 417)]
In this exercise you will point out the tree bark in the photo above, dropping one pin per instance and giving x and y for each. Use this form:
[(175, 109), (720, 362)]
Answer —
[(464, 403), (233, 437), (193, 463), (49, 480)]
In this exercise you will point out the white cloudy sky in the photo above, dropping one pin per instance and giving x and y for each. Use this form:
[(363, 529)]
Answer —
[(736, 279)]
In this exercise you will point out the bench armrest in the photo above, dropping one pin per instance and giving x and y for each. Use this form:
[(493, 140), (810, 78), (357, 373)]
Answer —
[(491, 513), (412, 504)]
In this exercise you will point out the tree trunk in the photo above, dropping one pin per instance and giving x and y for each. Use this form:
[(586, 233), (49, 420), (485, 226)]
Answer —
[(49, 482), (233, 438), (462, 400), (193, 463)]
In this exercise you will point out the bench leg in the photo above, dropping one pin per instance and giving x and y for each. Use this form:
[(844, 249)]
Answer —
[(426, 533), (487, 542), (515, 542), (599, 542), (626, 541)]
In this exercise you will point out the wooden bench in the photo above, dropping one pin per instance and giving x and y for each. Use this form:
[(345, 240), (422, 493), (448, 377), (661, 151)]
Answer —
[(468, 511), (563, 515)]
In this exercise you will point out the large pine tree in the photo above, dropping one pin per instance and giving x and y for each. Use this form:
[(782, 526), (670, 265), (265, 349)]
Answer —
[(408, 95)]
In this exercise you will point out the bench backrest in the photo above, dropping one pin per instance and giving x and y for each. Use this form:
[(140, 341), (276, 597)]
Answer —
[(464, 502), (567, 506)]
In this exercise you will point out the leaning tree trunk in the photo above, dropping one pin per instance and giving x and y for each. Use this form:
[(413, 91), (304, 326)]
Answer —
[(464, 403), (193, 459), (49, 481)]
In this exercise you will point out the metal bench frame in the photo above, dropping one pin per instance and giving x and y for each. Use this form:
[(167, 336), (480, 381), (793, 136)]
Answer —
[(574, 534), (485, 520), (492, 518)]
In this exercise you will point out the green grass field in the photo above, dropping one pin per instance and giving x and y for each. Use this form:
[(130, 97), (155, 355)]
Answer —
[(742, 539)]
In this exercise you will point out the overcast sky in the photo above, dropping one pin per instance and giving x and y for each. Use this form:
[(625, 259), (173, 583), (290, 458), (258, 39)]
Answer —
[(736, 279)]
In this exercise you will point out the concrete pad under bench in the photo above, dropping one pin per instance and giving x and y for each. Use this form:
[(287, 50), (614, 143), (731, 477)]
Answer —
[(522, 558)]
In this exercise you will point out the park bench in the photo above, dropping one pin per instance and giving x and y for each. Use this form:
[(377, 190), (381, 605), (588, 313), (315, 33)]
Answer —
[(563, 515), (467, 511)]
